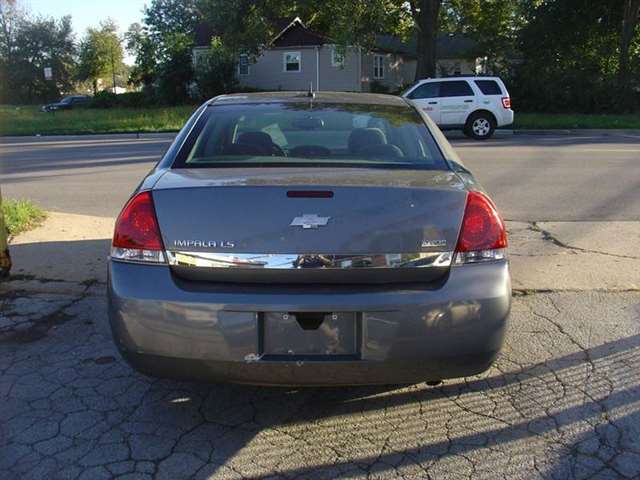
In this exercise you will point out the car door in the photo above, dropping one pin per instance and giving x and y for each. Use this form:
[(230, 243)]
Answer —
[(425, 96), (456, 101)]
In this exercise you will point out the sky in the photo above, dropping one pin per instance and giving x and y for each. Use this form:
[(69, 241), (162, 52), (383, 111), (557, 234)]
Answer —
[(89, 13)]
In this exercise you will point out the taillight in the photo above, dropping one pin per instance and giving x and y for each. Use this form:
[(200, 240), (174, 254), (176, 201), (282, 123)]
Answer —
[(506, 102), (137, 235), (482, 236)]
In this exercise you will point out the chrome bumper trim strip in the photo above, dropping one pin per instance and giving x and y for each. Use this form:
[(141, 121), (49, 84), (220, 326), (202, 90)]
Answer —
[(304, 261)]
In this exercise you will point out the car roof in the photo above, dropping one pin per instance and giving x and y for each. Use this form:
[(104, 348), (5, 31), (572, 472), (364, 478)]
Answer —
[(459, 77), (321, 97)]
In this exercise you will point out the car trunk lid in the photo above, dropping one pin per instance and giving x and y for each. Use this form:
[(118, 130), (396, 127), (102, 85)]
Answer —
[(309, 225)]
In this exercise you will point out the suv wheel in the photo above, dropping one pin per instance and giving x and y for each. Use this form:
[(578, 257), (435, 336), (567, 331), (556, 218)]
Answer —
[(480, 126)]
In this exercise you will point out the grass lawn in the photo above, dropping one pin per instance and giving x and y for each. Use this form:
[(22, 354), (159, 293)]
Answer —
[(21, 215), (575, 120), (28, 120)]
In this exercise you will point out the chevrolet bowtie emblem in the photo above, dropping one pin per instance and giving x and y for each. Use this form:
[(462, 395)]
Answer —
[(309, 221)]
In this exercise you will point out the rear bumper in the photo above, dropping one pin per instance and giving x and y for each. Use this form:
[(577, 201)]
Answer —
[(167, 327), (505, 118)]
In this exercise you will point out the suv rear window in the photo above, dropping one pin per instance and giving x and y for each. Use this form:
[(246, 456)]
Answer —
[(489, 87), (310, 134), (457, 88)]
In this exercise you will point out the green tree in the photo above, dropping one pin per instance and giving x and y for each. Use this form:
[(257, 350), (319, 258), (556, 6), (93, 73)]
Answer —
[(569, 56), (101, 54), (217, 74), (27, 46), (494, 24), (426, 14), (166, 18), (140, 44), (175, 73), (170, 25), (630, 20)]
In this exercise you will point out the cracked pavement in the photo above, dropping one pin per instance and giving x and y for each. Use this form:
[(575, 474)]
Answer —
[(562, 401)]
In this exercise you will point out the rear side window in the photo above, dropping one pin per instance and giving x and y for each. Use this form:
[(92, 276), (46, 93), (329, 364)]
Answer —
[(489, 87), (457, 88), (426, 90)]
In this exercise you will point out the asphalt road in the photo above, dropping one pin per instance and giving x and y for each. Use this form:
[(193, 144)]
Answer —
[(533, 178)]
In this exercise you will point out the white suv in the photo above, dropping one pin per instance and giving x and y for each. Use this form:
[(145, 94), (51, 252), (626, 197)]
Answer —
[(477, 105)]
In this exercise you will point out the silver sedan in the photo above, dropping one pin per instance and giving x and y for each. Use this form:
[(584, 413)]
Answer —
[(309, 239)]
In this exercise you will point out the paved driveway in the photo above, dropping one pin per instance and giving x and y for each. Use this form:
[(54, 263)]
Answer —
[(563, 401)]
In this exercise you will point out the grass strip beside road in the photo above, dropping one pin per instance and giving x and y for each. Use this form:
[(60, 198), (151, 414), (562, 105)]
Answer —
[(21, 215), (571, 121), (28, 120)]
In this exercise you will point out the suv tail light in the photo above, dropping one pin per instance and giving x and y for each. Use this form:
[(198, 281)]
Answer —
[(482, 236), (506, 102), (137, 235)]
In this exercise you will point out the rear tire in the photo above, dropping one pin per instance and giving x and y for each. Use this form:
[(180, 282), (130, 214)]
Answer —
[(480, 126)]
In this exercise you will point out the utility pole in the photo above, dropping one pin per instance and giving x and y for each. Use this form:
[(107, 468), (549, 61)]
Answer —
[(5, 259), (113, 69)]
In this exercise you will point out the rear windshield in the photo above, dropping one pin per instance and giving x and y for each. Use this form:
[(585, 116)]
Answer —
[(489, 87), (310, 134)]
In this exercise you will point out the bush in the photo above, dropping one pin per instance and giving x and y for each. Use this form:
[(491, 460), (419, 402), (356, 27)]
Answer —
[(106, 99), (378, 87), (21, 215), (217, 74), (175, 73)]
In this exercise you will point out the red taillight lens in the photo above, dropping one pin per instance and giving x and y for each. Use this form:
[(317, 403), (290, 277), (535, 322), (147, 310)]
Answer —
[(506, 102), (137, 226), (482, 227)]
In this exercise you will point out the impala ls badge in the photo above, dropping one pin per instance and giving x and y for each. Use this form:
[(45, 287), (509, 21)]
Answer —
[(204, 243), (434, 243), (307, 221)]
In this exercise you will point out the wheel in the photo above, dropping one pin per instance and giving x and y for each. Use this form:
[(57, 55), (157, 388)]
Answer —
[(480, 126)]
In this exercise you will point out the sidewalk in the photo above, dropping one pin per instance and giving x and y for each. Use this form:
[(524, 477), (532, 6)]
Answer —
[(553, 256), (65, 248)]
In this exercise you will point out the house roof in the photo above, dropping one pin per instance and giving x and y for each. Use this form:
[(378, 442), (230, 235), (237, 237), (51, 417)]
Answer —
[(291, 32), (449, 45), (296, 34)]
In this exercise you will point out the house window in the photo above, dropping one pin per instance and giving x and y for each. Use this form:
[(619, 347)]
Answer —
[(378, 66), (243, 65), (337, 58), (291, 61)]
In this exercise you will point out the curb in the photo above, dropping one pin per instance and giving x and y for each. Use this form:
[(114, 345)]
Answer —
[(98, 136), (505, 132), (577, 131)]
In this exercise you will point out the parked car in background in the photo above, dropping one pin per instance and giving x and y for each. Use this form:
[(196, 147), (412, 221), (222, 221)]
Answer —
[(300, 239), (67, 103), (475, 105)]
